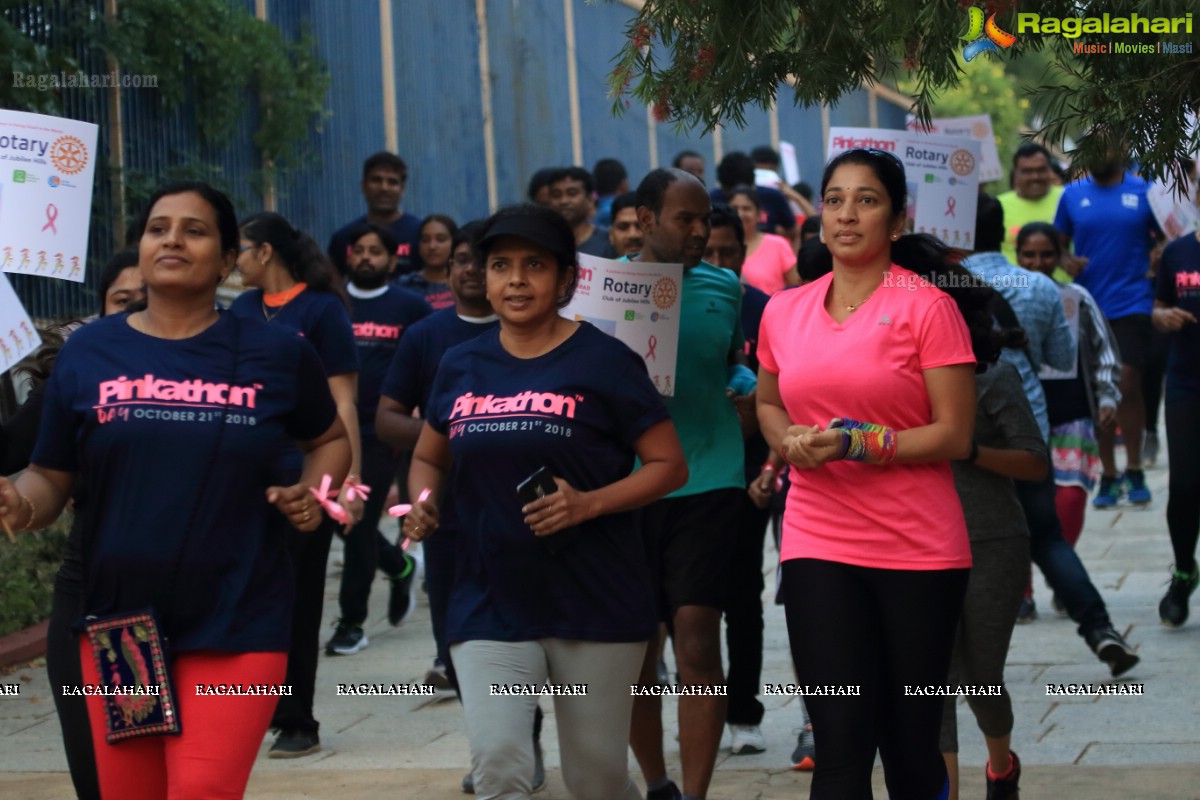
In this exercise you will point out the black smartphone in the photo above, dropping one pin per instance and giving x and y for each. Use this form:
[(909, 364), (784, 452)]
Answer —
[(537, 485)]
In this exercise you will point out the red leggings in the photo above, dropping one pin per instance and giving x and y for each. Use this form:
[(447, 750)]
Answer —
[(1071, 503), (212, 758)]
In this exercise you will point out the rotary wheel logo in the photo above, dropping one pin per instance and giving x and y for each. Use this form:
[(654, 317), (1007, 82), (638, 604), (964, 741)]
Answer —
[(962, 162), (69, 154), (665, 293)]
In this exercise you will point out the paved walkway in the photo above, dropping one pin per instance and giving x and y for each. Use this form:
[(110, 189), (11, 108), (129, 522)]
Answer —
[(1145, 747)]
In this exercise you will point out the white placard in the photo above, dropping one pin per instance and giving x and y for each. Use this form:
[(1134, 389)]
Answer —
[(979, 128), (46, 170), (942, 174), (1070, 304), (1175, 215), (17, 335), (791, 167), (638, 304)]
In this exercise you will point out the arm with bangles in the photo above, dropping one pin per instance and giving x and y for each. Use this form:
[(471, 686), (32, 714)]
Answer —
[(34, 499), (947, 437)]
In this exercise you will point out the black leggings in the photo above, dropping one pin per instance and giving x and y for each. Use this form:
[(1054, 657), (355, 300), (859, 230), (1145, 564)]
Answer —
[(1183, 494), (64, 669), (309, 554), (880, 630)]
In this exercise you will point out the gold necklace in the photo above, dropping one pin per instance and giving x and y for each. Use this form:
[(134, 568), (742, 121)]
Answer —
[(850, 307)]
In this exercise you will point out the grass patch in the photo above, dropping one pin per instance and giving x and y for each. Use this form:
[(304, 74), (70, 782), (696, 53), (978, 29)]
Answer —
[(27, 569)]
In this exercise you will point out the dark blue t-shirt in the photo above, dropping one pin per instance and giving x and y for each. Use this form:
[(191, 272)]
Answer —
[(1179, 285), (776, 213), (139, 419), (406, 229), (318, 317), (578, 411), (1112, 226), (379, 323), (436, 295), (410, 375)]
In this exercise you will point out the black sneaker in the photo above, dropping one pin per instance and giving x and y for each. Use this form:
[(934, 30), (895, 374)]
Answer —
[(347, 640), (1111, 648), (1027, 611), (1004, 788), (1173, 610), (403, 598), (805, 754), (437, 677), (293, 743), (668, 792)]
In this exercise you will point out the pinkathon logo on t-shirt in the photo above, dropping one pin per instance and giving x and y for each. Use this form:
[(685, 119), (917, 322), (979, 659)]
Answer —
[(376, 330), (469, 405), (195, 392)]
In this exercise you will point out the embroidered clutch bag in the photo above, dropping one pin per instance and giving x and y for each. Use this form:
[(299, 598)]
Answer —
[(134, 684)]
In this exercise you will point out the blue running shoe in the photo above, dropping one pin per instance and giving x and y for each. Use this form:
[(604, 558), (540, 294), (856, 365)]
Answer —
[(1111, 491), (1135, 487)]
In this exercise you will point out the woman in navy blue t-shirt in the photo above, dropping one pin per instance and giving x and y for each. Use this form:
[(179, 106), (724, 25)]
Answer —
[(557, 590), (1176, 309), (171, 417), (295, 288)]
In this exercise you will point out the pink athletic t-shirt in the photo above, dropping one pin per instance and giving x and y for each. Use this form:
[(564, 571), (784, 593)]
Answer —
[(765, 269), (868, 368)]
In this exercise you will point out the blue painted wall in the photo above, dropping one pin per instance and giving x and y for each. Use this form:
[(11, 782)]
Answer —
[(440, 118)]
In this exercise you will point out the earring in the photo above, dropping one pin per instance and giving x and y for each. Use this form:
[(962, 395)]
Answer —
[(895, 237)]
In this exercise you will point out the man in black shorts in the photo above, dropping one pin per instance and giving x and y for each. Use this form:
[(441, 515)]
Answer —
[(687, 531)]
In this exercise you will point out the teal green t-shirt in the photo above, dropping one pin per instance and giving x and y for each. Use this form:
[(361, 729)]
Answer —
[(710, 333)]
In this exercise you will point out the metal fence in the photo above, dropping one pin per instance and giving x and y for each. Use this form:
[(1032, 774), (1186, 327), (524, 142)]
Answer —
[(467, 148)]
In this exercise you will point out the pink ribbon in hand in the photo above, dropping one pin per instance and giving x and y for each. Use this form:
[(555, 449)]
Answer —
[(357, 491), (404, 508), (335, 511)]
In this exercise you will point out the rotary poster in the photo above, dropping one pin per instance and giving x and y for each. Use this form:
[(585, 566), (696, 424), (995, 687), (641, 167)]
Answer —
[(638, 304), (942, 174), (46, 170), (979, 128)]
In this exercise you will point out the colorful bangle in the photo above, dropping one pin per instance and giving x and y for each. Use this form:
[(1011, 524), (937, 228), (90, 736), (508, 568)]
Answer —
[(867, 442)]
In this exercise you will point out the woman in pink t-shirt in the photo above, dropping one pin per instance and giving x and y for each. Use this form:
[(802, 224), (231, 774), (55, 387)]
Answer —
[(770, 263), (867, 388)]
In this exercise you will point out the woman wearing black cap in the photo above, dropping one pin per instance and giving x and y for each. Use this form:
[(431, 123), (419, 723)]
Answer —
[(553, 591)]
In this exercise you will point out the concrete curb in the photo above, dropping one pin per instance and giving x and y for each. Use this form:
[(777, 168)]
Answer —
[(24, 645)]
